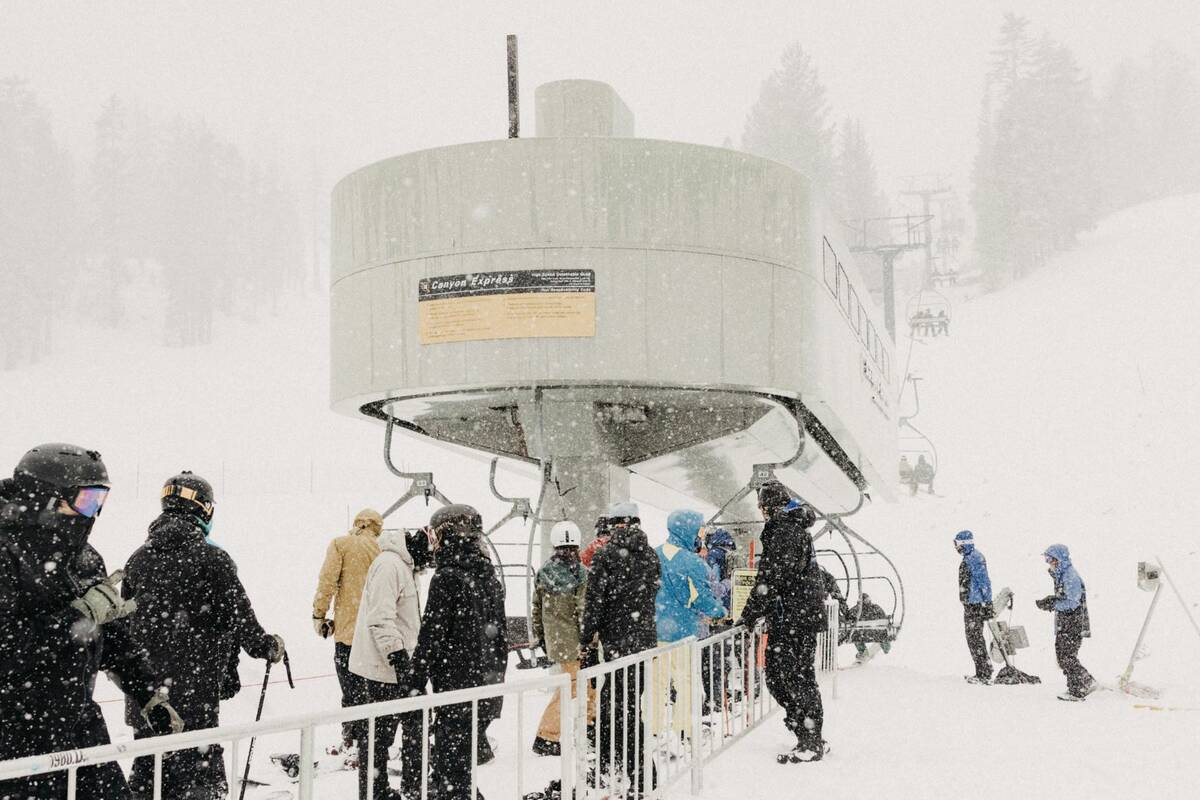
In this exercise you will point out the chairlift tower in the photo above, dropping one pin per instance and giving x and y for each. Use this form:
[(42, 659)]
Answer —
[(887, 238), (926, 187)]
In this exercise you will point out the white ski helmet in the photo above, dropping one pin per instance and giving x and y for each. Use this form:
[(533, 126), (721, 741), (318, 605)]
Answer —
[(565, 534)]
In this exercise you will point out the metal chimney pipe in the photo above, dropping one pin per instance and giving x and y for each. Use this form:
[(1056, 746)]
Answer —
[(514, 99)]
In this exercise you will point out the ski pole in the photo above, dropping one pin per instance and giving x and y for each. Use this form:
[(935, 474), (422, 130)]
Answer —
[(257, 716)]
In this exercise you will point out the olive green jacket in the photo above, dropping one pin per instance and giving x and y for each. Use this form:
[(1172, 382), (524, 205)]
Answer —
[(558, 608)]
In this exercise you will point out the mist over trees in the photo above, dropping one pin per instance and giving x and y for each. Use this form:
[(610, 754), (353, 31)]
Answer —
[(1053, 158), (790, 123), (159, 215)]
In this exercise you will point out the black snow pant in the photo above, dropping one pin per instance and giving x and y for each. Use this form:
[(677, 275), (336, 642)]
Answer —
[(354, 690), (100, 782), (620, 729), (385, 736), (1068, 638), (195, 773), (974, 615), (792, 681), (451, 755)]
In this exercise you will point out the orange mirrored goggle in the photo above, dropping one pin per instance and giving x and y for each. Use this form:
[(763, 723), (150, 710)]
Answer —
[(187, 493)]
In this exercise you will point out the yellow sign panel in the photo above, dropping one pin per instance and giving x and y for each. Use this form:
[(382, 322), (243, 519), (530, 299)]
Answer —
[(513, 304), (743, 581)]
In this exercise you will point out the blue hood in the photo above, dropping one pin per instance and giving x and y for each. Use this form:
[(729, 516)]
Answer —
[(683, 528), (1061, 554)]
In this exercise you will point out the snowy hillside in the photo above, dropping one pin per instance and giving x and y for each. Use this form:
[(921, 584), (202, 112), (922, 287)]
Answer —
[(1063, 409)]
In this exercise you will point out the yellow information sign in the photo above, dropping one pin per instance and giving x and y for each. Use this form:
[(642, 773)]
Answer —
[(512, 304), (743, 584)]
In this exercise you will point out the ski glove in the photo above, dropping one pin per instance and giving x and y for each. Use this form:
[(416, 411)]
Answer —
[(103, 602), (1046, 603), (323, 627), (275, 649), (400, 663), (160, 716)]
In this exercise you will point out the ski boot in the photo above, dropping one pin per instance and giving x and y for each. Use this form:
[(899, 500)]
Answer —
[(804, 753), (977, 680)]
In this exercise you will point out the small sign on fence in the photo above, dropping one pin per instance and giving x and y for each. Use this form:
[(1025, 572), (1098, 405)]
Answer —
[(743, 585)]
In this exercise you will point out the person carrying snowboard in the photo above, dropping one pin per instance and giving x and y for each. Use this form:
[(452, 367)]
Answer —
[(975, 594), (1071, 622)]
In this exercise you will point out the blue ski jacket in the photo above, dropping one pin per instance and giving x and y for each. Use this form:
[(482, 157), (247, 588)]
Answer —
[(1068, 586), (974, 585), (684, 597)]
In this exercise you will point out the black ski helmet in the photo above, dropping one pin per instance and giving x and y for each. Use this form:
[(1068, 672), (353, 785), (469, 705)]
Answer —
[(190, 493), (773, 496), (60, 466), (458, 519)]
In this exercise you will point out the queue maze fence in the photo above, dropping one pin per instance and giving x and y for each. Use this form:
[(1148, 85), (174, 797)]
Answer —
[(650, 730)]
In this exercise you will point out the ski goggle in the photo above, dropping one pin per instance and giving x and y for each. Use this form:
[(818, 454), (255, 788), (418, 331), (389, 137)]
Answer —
[(88, 501), (187, 493)]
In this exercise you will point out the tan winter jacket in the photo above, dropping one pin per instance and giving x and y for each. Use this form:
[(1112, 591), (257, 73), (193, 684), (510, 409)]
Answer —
[(345, 571), (389, 618)]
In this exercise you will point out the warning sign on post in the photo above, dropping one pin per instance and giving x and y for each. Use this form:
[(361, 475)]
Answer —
[(513, 304), (743, 584)]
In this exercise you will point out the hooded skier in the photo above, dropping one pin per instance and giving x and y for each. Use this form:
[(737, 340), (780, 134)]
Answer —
[(1071, 622), (63, 620), (341, 580), (387, 622), (683, 602), (193, 616), (975, 594)]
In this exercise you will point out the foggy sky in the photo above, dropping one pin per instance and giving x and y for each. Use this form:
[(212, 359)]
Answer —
[(344, 84)]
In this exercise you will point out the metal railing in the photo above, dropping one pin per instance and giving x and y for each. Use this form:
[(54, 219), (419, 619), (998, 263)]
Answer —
[(634, 728), (306, 725)]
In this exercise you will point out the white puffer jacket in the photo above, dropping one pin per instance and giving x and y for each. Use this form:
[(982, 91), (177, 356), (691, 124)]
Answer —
[(389, 615)]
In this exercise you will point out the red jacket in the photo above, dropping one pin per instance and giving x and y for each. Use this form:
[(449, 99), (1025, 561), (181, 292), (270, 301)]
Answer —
[(588, 553)]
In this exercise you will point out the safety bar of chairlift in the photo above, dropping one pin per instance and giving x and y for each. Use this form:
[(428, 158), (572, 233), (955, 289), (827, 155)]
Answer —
[(70, 761), (422, 482)]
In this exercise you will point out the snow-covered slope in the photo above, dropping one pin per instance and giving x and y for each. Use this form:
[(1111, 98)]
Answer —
[(1063, 410)]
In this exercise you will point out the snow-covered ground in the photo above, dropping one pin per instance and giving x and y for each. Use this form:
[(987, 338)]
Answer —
[(1063, 409)]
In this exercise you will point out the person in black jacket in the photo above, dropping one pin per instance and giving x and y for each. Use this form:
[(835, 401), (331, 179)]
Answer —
[(790, 595), (62, 622), (461, 643), (193, 616), (618, 615)]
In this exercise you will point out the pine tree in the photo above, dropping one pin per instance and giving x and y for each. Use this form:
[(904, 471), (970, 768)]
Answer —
[(790, 121), (857, 195), (39, 243)]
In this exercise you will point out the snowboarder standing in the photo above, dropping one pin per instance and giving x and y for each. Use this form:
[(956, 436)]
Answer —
[(193, 616), (1071, 622), (790, 594), (557, 612), (62, 622), (340, 582), (461, 643), (618, 614), (386, 628), (975, 594)]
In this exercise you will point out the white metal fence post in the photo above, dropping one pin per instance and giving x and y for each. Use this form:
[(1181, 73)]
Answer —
[(306, 762), (566, 735), (697, 691)]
